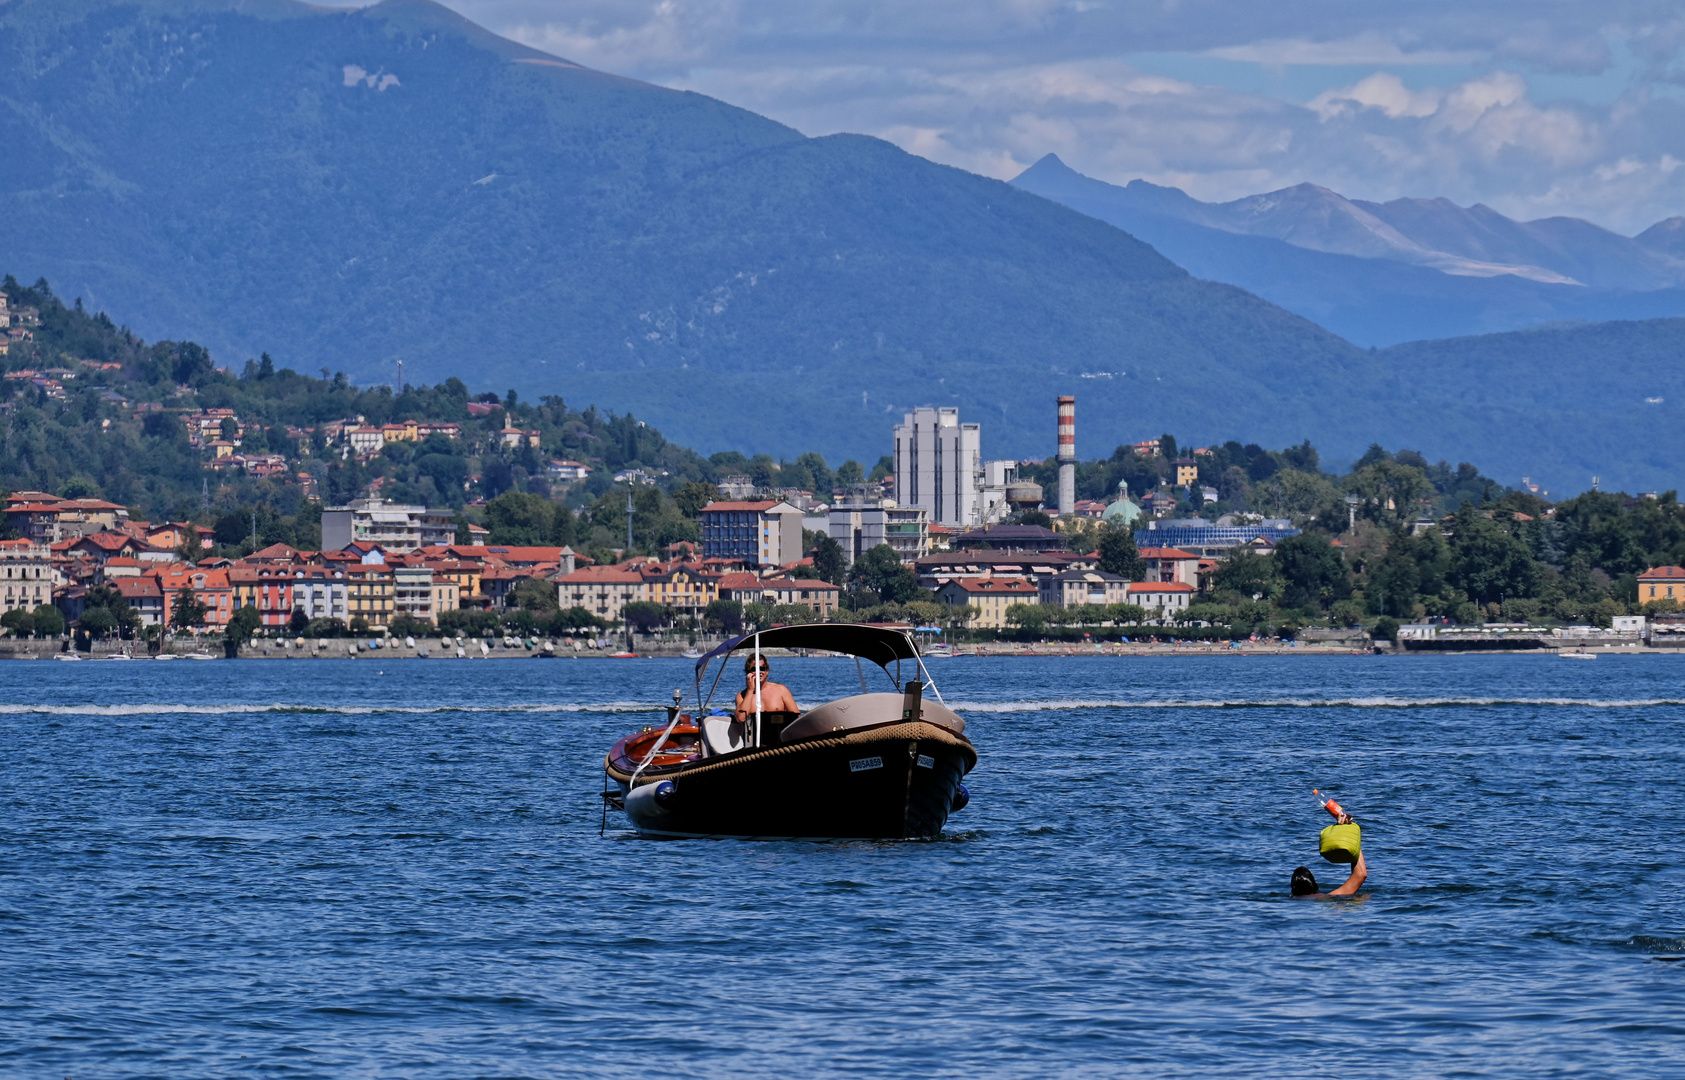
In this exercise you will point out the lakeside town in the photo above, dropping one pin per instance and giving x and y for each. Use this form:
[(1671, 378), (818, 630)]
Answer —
[(161, 503), (972, 554)]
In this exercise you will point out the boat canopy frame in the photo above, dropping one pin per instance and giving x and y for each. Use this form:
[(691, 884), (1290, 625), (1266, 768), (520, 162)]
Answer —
[(882, 645)]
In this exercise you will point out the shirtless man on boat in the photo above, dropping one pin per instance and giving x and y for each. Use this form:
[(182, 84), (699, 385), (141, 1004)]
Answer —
[(775, 697)]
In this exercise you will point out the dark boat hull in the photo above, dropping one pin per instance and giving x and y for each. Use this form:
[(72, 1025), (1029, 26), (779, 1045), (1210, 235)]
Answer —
[(895, 782)]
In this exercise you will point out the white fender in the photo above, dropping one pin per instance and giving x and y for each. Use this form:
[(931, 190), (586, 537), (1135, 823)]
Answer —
[(648, 804)]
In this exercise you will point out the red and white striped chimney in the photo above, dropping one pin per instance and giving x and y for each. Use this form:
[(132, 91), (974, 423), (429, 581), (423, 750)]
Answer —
[(1067, 455)]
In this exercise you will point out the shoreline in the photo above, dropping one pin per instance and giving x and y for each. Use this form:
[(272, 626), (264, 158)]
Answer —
[(358, 649)]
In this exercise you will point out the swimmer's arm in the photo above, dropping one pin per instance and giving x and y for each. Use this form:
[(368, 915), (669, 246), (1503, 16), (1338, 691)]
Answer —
[(1360, 873)]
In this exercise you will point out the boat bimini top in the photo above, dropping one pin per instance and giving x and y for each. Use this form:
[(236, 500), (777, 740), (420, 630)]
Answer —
[(881, 645)]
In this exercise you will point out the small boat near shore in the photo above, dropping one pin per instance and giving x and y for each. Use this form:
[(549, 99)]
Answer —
[(876, 765)]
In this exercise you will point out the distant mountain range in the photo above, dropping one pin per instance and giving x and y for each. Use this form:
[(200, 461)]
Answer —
[(1381, 273), (349, 188)]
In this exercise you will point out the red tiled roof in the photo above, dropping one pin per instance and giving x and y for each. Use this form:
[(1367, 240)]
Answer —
[(1166, 553), (603, 575), (994, 585), (1159, 586), (799, 583), (133, 587), (759, 504), (1662, 573), (110, 541)]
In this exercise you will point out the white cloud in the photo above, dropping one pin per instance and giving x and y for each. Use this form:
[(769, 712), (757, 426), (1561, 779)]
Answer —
[(1382, 90), (1364, 50), (991, 85)]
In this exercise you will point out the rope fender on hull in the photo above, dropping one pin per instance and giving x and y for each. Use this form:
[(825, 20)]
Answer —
[(918, 731)]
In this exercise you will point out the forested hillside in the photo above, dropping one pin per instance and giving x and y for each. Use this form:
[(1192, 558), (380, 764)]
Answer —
[(350, 188), (91, 409)]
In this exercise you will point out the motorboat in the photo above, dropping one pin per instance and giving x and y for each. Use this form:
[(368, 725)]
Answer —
[(885, 764), (1581, 655), (692, 653)]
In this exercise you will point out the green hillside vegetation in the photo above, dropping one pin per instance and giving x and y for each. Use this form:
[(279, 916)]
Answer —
[(1493, 553), (1420, 541), (118, 435)]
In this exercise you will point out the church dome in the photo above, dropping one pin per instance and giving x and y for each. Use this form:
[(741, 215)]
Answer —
[(1122, 512)]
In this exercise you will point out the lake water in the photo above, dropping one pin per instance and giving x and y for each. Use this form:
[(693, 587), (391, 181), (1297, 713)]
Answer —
[(393, 868)]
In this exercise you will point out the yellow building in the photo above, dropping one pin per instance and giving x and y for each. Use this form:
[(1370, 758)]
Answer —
[(1662, 583), (990, 596), (604, 591), (370, 593)]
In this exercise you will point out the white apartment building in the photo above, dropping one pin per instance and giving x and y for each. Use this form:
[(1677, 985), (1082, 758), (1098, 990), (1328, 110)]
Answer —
[(413, 592), (860, 523), (762, 532), (992, 507), (393, 526), (938, 465), (320, 593), (26, 575)]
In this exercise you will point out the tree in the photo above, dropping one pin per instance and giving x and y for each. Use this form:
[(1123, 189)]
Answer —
[(518, 518), (407, 625), (243, 624), (1488, 563), (572, 620), (1035, 517), (880, 570), (49, 621), (1246, 574), (1412, 568), (1032, 617), (97, 622), (1119, 614), (20, 622), (829, 559), (1118, 554), (111, 598), (187, 611), (692, 496), (297, 622), (539, 596), (725, 616), (1313, 570), (644, 616)]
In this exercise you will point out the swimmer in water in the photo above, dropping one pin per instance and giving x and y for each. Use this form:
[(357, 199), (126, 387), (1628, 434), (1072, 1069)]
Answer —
[(1304, 882)]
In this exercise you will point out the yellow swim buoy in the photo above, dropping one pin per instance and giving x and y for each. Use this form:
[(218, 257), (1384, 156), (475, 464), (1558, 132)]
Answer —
[(1342, 843)]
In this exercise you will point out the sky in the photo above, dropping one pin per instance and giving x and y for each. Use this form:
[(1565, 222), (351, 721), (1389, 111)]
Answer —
[(1536, 108)]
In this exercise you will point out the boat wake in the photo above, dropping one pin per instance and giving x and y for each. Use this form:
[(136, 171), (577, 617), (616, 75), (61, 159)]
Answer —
[(1310, 703)]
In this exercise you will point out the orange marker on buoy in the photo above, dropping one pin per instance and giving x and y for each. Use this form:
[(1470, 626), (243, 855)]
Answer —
[(1328, 804)]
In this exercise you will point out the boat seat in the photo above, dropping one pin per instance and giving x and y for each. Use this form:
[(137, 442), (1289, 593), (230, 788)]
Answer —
[(724, 735)]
